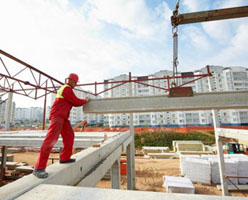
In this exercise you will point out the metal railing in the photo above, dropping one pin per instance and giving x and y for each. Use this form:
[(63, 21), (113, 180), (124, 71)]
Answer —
[(229, 178)]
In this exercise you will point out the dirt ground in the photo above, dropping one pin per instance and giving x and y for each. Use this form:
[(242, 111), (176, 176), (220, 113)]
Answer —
[(149, 174)]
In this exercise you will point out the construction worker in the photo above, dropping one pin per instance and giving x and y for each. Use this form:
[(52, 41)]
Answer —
[(59, 124)]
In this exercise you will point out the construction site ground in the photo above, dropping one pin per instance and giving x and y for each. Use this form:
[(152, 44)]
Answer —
[(149, 174)]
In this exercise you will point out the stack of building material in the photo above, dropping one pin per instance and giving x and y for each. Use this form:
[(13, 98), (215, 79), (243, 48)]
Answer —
[(235, 164), (231, 170), (24, 169), (147, 150), (206, 157), (174, 184), (182, 161), (187, 145), (163, 155), (10, 165), (196, 152), (242, 166), (9, 158), (198, 170), (243, 170)]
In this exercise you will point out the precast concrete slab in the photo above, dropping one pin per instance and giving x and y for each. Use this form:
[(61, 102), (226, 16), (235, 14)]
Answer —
[(59, 192), (37, 142), (232, 133), (164, 103), (42, 134), (35, 139), (68, 174)]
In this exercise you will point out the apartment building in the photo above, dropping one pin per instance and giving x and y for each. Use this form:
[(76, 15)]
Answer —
[(223, 79), (29, 114), (3, 107)]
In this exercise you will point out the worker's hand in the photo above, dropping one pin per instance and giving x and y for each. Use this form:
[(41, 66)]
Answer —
[(87, 99)]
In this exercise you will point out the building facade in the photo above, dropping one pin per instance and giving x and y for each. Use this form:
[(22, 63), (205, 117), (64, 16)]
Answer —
[(33, 114)]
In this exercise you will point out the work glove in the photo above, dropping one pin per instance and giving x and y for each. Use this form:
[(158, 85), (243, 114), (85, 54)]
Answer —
[(87, 99)]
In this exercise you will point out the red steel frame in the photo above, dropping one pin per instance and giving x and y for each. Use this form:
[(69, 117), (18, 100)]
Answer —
[(119, 83), (229, 178), (30, 88)]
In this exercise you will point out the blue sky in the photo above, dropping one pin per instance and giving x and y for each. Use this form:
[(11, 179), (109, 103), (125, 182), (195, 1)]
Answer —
[(100, 39)]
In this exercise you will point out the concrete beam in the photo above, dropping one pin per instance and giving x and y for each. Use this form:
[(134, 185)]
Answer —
[(37, 142), (232, 133), (70, 174), (100, 170), (59, 192), (200, 101), (222, 167), (115, 175), (35, 139), (127, 142), (8, 110), (220, 154), (42, 134)]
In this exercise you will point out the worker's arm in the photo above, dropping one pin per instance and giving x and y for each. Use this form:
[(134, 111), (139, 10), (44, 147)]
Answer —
[(69, 95)]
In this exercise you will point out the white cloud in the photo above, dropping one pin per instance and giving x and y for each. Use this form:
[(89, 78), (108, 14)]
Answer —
[(236, 51), (131, 15), (229, 3), (196, 38), (194, 5), (221, 31)]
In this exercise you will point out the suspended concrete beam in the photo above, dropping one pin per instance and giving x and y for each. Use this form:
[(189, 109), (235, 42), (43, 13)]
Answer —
[(210, 15), (70, 174), (59, 192), (232, 133), (200, 101)]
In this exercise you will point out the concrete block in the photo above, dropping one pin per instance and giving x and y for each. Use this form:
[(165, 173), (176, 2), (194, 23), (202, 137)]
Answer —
[(195, 152), (231, 170), (243, 170), (190, 147), (182, 161), (198, 171), (163, 155), (175, 184), (176, 142), (147, 150)]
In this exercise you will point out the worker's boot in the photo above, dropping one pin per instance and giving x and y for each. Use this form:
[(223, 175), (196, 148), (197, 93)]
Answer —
[(67, 161), (40, 173)]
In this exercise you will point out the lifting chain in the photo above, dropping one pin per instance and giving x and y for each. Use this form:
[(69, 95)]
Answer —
[(175, 44)]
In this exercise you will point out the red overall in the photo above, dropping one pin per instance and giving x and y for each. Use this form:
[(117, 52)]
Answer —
[(60, 124)]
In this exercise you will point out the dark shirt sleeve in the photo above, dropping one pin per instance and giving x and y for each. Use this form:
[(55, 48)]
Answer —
[(69, 96)]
